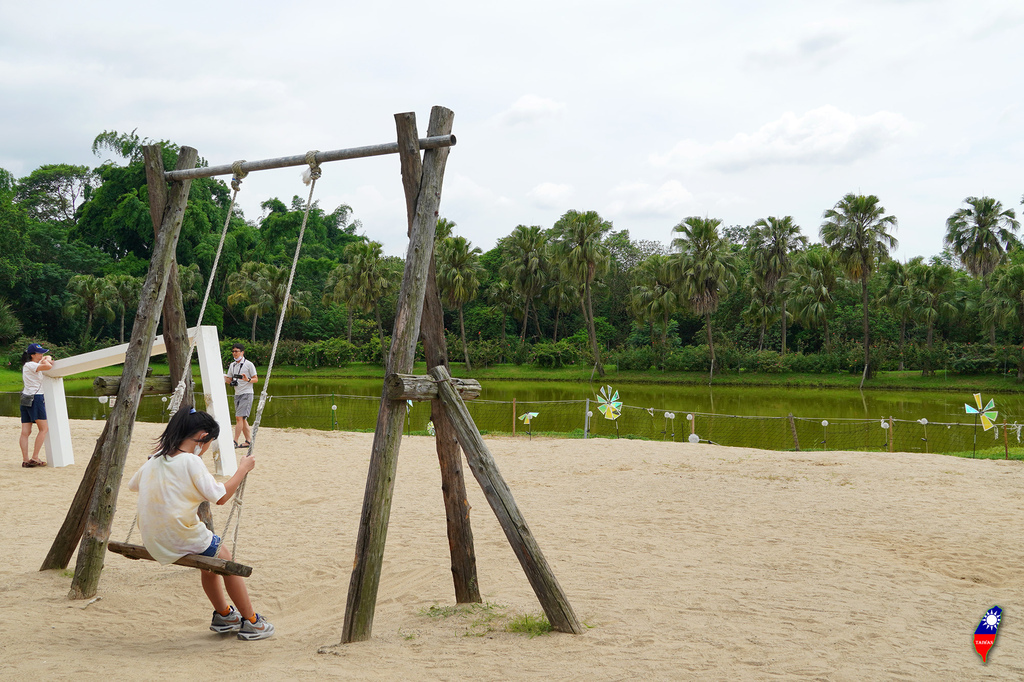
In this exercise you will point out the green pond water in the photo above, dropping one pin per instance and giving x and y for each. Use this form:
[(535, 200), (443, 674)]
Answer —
[(351, 404)]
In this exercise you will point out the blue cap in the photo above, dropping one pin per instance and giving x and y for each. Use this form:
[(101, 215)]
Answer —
[(34, 348)]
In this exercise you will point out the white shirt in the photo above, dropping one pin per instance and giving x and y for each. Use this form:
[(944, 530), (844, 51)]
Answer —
[(170, 490), (31, 378), (242, 366)]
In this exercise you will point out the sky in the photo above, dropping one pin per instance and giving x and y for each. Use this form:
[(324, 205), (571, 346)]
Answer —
[(644, 111)]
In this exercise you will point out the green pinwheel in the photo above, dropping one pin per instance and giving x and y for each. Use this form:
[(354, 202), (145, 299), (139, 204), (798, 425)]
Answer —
[(609, 404), (988, 415)]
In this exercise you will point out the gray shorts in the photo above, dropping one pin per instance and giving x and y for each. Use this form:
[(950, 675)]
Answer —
[(243, 404)]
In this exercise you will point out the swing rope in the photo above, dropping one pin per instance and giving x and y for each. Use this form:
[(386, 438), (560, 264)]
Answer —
[(179, 391), (310, 176)]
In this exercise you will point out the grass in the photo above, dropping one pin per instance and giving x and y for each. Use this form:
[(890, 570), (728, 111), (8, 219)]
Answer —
[(482, 619)]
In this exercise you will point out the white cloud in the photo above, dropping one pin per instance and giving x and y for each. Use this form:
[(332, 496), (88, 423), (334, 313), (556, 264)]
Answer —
[(530, 109), (824, 135), (815, 45), (642, 199), (550, 195)]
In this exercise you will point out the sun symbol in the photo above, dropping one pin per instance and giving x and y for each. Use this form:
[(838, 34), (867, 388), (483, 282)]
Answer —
[(991, 619)]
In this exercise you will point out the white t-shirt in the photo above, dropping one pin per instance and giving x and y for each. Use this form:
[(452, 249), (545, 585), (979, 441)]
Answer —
[(245, 367), (170, 491), (31, 378)]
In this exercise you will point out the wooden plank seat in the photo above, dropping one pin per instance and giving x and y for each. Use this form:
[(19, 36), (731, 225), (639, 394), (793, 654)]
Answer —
[(213, 564)]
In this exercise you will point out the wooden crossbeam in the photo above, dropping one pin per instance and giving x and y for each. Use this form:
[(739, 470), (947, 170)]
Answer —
[(415, 387), (207, 563)]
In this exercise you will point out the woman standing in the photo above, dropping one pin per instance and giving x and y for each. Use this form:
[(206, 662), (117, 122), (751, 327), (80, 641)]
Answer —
[(33, 410)]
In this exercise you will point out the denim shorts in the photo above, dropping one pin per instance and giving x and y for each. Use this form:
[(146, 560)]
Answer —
[(214, 546), (30, 415)]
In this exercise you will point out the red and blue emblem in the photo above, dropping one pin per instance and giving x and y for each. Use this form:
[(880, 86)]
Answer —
[(985, 635)]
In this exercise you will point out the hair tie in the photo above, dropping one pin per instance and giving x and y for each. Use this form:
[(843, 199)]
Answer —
[(192, 411)]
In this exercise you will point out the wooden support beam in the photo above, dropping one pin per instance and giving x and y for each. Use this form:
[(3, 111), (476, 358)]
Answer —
[(449, 455), (417, 387), (552, 599), (174, 323), (207, 563), (157, 385), (121, 421), (380, 480)]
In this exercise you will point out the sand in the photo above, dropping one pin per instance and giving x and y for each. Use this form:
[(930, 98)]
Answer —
[(684, 561)]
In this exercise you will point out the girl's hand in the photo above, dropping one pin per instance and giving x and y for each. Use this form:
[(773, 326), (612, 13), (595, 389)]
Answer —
[(247, 463)]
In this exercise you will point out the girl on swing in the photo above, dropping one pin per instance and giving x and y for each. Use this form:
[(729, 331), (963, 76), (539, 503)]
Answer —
[(171, 485)]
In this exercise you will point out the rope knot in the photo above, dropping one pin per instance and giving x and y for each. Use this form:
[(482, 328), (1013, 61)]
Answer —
[(236, 168), (313, 172)]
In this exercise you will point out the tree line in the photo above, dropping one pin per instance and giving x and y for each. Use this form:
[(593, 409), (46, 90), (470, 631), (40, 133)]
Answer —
[(714, 297)]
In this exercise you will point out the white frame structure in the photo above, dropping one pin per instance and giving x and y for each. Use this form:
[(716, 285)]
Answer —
[(59, 450)]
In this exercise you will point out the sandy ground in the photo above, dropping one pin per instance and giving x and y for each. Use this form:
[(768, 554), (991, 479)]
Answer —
[(685, 561)]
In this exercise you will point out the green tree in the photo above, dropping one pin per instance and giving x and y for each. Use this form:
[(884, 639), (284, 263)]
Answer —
[(578, 243), (126, 290), (655, 295), (1008, 290), (771, 243), (527, 269), (900, 292), (932, 297), (52, 193), (93, 296), (245, 289), (367, 280), (458, 279), (707, 268), (858, 230), (562, 293), (979, 235), (811, 285)]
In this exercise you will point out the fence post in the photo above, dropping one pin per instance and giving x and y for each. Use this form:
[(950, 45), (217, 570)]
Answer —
[(1006, 440), (586, 420), (792, 426), (513, 417), (892, 436)]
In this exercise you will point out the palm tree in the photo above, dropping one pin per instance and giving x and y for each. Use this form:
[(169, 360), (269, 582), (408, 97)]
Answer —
[(932, 297), (337, 292), (126, 294), (578, 243), (900, 291), (562, 292), (94, 296), (980, 235), (772, 242), (275, 286), (458, 279), (244, 287), (367, 280), (655, 296), (858, 230), (762, 309), (502, 296), (526, 269), (814, 278), (708, 269)]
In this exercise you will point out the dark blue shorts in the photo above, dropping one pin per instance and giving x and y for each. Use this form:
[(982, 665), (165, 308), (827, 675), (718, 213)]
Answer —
[(214, 546), (33, 414)]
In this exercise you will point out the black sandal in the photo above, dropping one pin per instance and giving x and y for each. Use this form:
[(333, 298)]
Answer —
[(28, 465)]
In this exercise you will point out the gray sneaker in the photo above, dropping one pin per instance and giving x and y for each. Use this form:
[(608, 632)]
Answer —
[(261, 629), (229, 623)]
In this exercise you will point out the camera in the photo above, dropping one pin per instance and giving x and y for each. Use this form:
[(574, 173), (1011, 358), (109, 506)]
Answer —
[(235, 378)]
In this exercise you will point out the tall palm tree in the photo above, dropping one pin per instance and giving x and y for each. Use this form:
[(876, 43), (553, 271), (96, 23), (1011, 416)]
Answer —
[(275, 285), (527, 269), (655, 294), (502, 296), (772, 242), (762, 309), (126, 294), (813, 280), (244, 288), (707, 269), (979, 235), (562, 292), (858, 230), (337, 291), (94, 296), (458, 279), (932, 297), (368, 280), (578, 243), (900, 291)]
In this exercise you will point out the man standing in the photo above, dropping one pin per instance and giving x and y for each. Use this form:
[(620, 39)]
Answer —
[(242, 375)]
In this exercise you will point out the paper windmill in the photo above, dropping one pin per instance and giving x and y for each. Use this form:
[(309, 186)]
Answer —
[(527, 416), (988, 415), (609, 404)]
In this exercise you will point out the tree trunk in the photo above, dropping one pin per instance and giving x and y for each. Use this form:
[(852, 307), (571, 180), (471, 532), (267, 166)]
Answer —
[(526, 321), (536, 322), (558, 312), (252, 335), (828, 338), (121, 338), (465, 348), (867, 329), (903, 336), (784, 325), (593, 332), (760, 338), (380, 335), (711, 345), (349, 322)]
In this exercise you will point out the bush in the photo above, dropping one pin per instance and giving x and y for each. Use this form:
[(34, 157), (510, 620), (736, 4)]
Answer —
[(640, 359), (767, 362), (689, 359), (552, 355), (327, 353)]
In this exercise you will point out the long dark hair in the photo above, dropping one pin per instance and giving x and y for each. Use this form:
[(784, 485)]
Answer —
[(25, 357), (185, 423)]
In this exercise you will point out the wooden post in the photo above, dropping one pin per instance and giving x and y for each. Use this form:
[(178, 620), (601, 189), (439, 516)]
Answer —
[(792, 426), (552, 599), (1006, 440), (114, 450), (380, 480), (174, 323), (892, 436), (449, 455)]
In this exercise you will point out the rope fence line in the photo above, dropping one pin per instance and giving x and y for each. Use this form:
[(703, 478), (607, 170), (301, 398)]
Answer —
[(569, 419)]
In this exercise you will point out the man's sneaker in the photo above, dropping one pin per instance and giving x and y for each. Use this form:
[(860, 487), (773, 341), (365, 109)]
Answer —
[(229, 623), (261, 629)]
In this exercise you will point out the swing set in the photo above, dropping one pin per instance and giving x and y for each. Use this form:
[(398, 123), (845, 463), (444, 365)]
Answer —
[(419, 316)]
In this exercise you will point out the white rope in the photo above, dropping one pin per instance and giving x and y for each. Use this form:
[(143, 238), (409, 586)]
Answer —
[(313, 174)]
